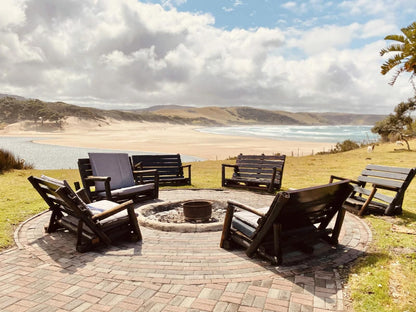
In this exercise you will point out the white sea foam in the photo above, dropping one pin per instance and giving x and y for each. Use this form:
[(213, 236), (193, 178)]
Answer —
[(330, 134)]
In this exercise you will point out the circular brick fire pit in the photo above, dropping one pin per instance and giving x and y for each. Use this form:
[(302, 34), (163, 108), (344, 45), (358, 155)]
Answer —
[(184, 216)]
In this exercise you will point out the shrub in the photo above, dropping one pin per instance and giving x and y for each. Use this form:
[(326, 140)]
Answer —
[(8, 161), (345, 146)]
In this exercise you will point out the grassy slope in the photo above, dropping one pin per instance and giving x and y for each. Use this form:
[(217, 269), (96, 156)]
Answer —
[(381, 281)]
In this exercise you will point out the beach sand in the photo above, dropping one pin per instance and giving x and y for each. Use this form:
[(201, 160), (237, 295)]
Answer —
[(162, 138)]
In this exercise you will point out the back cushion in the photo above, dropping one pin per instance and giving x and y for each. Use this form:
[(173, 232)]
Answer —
[(114, 165)]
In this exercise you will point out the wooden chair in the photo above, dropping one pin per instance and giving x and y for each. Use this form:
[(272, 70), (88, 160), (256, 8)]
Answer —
[(379, 189), (258, 172), (94, 223), (169, 168), (111, 176), (295, 217)]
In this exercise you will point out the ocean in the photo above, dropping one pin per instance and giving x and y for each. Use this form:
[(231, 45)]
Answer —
[(329, 134), (45, 156)]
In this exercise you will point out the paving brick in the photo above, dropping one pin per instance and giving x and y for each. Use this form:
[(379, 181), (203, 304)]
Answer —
[(180, 272)]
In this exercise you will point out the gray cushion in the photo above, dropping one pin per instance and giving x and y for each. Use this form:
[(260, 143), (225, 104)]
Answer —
[(129, 190), (103, 205), (114, 165), (248, 217)]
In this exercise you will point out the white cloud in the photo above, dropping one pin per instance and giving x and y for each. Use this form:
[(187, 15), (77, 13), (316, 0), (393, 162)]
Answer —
[(290, 5), (11, 13), (124, 53)]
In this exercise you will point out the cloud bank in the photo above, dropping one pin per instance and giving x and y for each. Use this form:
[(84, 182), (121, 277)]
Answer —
[(128, 54)]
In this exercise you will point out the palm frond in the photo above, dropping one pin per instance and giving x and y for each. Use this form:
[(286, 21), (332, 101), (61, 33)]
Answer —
[(396, 75), (391, 63), (393, 48), (399, 38)]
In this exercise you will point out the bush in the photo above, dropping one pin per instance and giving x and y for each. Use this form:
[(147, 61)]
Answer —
[(345, 146), (8, 161)]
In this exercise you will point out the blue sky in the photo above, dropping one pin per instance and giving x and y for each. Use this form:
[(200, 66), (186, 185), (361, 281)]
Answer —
[(311, 55)]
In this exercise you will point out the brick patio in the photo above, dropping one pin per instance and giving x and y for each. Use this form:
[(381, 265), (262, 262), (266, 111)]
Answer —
[(171, 271)]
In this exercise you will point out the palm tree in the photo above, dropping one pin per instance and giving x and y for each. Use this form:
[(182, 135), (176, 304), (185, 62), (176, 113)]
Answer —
[(405, 58)]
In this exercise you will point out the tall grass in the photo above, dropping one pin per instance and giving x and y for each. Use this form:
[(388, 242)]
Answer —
[(9, 161)]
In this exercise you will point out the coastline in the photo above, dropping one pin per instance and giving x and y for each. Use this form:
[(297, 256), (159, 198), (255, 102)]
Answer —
[(162, 138)]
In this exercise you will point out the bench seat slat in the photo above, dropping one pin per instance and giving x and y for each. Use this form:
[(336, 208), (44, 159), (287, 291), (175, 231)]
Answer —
[(384, 174), (381, 182)]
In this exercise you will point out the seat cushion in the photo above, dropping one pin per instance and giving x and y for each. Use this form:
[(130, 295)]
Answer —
[(103, 205), (246, 222), (248, 217), (126, 191)]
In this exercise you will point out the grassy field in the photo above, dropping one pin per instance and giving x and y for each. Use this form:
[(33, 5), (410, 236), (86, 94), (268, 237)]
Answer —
[(383, 280)]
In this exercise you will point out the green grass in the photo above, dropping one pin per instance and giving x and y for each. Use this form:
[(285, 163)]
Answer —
[(383, 280)]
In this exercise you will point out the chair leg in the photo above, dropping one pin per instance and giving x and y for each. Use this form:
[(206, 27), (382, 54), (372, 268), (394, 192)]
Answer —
[(277, 230), (137, 235), (53, 224), (81, 246), (367, 202), (225, 236)]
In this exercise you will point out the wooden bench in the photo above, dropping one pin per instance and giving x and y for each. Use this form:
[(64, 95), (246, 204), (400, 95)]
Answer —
[(379, 189), (117, 185), (101, 222), (295, 218), (258, 172), (169, 168)]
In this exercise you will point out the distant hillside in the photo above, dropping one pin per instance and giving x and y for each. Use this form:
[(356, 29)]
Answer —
[(15, 108), (250, 115)]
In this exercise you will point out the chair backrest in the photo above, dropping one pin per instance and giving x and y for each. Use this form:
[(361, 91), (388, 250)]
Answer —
[(260, 166), (169, 165), (49, 189), (114, 165), (394, 178), (303, 207)]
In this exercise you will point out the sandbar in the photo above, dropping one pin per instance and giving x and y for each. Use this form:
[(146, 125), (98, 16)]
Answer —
[(161, 138)]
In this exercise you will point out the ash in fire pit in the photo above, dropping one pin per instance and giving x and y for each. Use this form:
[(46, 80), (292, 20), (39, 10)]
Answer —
[(170, 216)]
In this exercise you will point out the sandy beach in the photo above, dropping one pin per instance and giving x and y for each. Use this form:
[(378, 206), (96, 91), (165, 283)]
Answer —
[(162, 138)]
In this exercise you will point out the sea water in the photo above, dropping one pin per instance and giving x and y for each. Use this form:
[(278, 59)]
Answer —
[(329, 134), (45, 156)]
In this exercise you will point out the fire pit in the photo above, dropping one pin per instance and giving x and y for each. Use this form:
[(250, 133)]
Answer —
[(184, 216), (197, 210)]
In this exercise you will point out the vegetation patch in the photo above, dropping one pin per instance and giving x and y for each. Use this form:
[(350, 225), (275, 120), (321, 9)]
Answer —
[(9, 161)]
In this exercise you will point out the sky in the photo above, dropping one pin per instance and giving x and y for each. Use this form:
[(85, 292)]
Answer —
[(298, 56)]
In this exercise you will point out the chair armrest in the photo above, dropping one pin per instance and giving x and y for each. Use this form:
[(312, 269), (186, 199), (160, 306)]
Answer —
[(332, 178), (143, 172), (138, 166), (189, 171), (245, 207), (97, 178), (227, 165), (112, 211), (223, 172), (106, 181)]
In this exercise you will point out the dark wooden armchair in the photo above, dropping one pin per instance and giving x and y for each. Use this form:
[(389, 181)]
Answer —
[(101, 222), (169, 167), (111, 176), (379, 189), (257, 172), (294, 217)]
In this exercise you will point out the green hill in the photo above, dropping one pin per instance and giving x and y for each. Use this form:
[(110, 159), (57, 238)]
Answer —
[(14, 109)]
